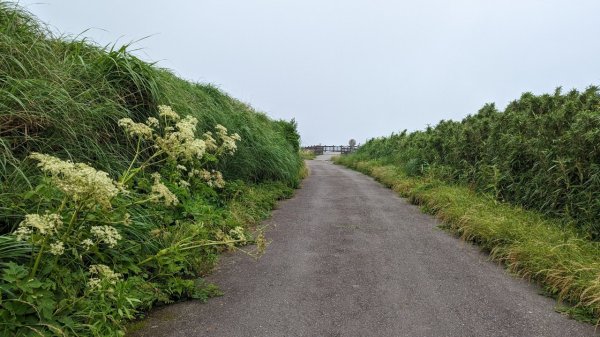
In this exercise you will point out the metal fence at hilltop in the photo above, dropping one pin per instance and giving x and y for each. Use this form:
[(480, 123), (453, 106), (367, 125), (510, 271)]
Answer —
[(321, 149)]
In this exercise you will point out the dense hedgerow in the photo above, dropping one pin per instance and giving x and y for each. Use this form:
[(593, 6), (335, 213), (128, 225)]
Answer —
[(541, 152), (119, 182)]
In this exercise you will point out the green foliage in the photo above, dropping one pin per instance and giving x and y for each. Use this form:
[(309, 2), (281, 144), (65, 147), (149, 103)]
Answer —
[(83, 264), (266, 151), (80, 262), (540, 153)]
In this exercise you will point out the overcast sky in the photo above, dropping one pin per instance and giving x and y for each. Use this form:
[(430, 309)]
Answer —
[(354, 68)]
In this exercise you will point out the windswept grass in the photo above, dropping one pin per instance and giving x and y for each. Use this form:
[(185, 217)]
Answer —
[(554, 254), (103, 266), (307, 154), (64, 97)]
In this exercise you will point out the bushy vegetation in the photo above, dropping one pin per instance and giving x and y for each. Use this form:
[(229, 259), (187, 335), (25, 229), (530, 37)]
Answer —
[(120, 183), (524, 183), (540, 153)]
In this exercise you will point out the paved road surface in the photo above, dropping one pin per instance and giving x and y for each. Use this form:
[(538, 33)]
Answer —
[(350, 258)]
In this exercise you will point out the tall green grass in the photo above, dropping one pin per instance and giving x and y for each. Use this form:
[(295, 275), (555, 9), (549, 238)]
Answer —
[(540, 153), (63, 97)]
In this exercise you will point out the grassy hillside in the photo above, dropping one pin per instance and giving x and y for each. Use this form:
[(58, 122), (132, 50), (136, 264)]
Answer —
[(522, 183), (82, 251)]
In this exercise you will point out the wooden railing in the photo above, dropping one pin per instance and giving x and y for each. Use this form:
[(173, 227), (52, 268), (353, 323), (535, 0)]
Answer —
[(320, 149)]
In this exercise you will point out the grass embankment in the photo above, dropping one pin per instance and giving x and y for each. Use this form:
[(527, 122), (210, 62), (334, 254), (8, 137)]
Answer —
[(83, 251), (522, 183)]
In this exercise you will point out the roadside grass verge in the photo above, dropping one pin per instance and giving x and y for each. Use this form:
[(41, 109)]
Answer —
[(552, 253), (307, 154)]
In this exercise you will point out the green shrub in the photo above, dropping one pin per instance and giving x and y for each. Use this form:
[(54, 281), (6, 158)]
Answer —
[(541, 153)]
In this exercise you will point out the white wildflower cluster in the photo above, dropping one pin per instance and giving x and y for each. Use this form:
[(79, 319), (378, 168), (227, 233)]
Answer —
[(152, 122), (102, 273), (210, 142), (46, 224), (81, 182), (181, 143), (23, 233), (57, 248), (106, 234), (211, 178), (216, 179), (141, 130), (94, 283), (87, 243), (127, 219), (236, 234), (177, 140), (168, 113), (228, 142), (160, 191)]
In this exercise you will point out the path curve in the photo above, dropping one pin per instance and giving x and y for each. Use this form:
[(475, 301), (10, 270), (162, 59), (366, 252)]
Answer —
[(350, 258)]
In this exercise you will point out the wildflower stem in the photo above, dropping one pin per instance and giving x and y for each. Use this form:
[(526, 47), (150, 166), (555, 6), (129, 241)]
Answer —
[(214, 243), (211, 243), (131, 173), (124, 177), (71, 222), (38, 258), (62, 204), (147, 162), (142, 201)]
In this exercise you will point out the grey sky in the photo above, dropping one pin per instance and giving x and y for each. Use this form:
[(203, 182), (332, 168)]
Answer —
[(354, 68)]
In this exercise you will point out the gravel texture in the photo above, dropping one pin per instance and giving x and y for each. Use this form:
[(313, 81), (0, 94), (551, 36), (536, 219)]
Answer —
[(350, 258)]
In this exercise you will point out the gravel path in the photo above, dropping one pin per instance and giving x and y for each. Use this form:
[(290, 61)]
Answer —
[(350, 258)]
